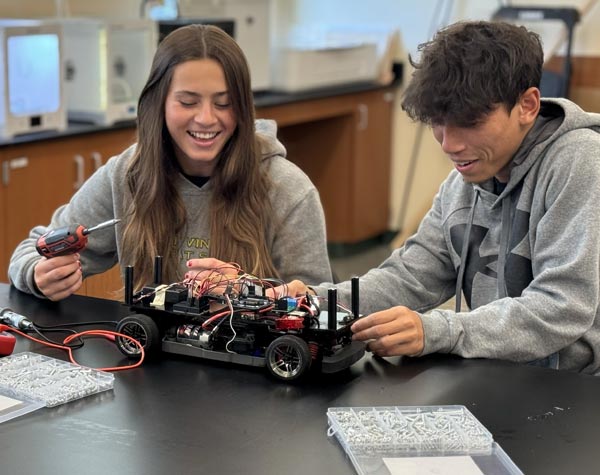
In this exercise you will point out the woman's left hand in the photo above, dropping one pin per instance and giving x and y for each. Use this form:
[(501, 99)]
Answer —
[(200, 269)]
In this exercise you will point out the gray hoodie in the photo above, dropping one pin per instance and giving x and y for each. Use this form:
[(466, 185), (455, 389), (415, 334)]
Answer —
[(296, 233), (530, 269)]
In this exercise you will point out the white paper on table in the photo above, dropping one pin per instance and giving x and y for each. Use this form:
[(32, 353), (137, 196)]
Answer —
[(7, 402), (451, 465)]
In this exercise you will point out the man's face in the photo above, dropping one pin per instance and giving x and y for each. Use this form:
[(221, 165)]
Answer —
[(486, 149)]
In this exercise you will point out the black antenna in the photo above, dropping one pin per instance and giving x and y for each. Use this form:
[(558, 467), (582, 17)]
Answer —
[(129, 285), (332, 309), (355, 297), (157, 270)]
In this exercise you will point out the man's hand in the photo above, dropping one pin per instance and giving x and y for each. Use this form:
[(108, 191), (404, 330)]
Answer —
[(58, 277), (393, 332)]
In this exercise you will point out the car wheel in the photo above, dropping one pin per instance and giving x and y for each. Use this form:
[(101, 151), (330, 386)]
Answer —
[(143, 329), (288, 357)]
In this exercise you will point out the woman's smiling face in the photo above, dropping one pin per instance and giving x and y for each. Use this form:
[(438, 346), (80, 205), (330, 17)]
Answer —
[(199, 115)]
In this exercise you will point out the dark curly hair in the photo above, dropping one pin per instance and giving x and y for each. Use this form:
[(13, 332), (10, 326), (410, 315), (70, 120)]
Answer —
[(468, 68)]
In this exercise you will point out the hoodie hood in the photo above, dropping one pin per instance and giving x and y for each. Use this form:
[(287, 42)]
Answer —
[(557, 117), (267, 132)]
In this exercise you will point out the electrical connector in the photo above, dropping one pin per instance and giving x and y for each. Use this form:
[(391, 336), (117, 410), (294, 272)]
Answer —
[(15, 320)]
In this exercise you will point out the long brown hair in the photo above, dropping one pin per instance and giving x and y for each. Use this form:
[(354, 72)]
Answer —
[(156, 216)]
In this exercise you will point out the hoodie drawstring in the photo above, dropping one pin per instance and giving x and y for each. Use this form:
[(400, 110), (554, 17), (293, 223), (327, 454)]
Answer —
[(463, 254), (503, 251)]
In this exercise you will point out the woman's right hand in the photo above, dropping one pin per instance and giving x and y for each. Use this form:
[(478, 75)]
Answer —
[(58, 277)]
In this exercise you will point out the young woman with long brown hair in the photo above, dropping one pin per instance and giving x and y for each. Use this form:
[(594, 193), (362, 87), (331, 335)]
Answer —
[(205, 179)]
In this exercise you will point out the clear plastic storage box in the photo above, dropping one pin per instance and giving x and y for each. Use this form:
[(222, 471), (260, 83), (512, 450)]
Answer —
[(29, 381), (372, 436)]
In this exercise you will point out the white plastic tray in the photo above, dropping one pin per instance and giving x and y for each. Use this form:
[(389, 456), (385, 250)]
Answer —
[(371, 434), (39, 381)]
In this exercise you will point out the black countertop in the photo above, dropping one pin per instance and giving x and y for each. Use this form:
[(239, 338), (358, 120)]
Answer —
[(183, 415)]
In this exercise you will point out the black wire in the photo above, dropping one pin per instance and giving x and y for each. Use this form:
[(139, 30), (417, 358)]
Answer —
[(60, 343), (64, 326)]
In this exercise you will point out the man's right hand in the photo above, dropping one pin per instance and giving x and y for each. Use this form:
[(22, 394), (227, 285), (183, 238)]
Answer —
[(58, 277)]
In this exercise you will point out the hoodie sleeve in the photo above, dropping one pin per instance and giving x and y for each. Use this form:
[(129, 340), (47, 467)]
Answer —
[(419, 275), (90, 205)]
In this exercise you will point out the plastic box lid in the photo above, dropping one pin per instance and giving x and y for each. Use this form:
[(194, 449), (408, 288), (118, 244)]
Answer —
[(29, 381), (371, 434)]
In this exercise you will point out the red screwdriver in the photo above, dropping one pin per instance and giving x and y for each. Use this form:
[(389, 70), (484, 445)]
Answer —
[(68, 239)]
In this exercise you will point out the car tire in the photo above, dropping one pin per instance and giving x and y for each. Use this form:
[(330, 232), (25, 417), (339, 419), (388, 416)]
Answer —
[(143, 329), (288, 357)]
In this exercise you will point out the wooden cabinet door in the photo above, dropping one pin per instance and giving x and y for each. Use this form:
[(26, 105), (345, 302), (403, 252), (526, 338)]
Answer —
[(4, 251), (98, 149), (343, 143), (108, 285), (318, 136), (372, 167), (37, 178)]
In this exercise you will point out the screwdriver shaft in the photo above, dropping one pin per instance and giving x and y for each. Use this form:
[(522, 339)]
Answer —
[(105, 224)]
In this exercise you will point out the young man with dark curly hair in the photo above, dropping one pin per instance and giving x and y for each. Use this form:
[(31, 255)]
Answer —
[(514, 228)]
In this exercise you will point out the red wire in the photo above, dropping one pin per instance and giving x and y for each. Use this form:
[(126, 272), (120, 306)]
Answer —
[(216, 316), (110, 335)]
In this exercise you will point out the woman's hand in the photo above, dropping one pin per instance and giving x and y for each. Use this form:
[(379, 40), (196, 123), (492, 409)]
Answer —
[(200, 269), (58, 277), (212, 275), (295, 288)]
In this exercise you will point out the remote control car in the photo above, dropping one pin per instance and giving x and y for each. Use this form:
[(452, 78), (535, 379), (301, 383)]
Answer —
[(232, 319)]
